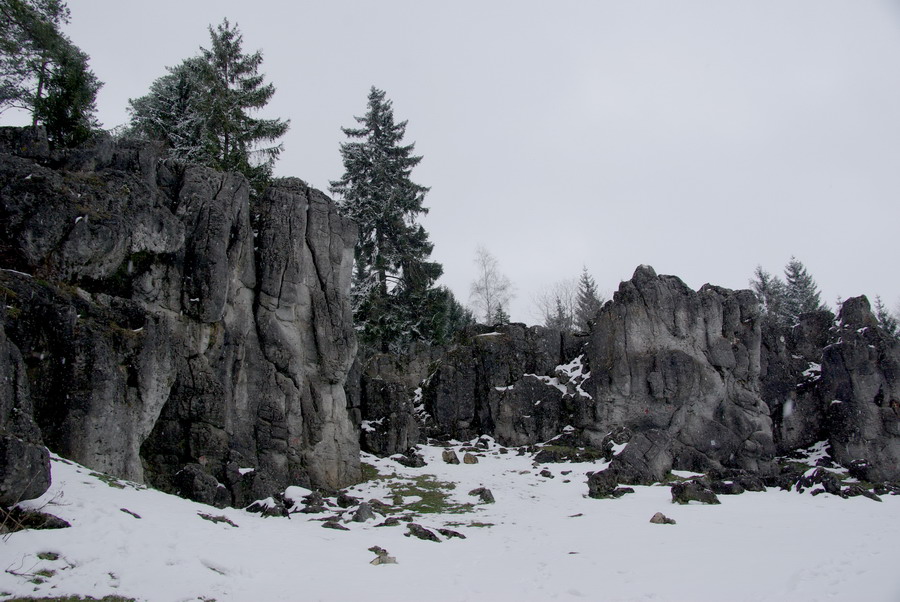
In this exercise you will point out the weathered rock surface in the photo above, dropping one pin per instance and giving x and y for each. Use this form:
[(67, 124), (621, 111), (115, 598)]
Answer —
[(605, 485), (790, 370), (385, 398), (421, 532), (24, 461), (661, 519), (484, 494), (693, 491), (861, 389), (510, 382), (163, 326), (679, 368)]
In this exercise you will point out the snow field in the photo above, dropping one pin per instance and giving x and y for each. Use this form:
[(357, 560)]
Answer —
[(548, 541)]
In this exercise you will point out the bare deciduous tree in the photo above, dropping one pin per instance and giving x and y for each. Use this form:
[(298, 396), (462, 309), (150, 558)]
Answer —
[(490, 290)]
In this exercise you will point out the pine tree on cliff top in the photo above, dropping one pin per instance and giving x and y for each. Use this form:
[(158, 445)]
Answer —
[(589, 301), (801, 291), (393, 276), (203, 109)]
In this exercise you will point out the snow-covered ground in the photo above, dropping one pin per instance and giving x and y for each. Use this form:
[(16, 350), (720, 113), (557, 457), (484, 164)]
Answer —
[(546, 541)]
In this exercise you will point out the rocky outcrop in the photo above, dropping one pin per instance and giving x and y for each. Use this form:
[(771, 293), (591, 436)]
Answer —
[(860, 387), (385, 397), (680, 369), (790, 370), (510, 382), (165, 325), (24, 461)]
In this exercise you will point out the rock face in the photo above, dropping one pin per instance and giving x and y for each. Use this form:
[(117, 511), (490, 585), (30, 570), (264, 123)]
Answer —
[(509, 382), (790, 369), (163, 324), (679, 368), (385, 398), (24, 461), (860, 386)]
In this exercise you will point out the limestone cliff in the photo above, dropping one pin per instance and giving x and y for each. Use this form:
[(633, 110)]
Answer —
[(170, 328)]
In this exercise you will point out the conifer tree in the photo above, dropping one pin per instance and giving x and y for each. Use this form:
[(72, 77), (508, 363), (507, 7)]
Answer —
[(500, 317), (203, 109), (589, 301), (171, 112), (67, 106), (561, 319), (43, 72), (886, 320), (784, 301), (29, 38), (393, 276), (801, 292), (771, 292)]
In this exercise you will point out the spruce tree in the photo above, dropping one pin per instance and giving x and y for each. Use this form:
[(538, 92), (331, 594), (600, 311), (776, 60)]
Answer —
[(589, 301), (203, 109), (500, 317), (772, 294), (393, 276), (801, 292), (170, 112), (561, 318), (886, 320)]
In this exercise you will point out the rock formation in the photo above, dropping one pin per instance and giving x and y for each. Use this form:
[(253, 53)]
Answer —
[(680, 369), (168, 324), (24, 461), (503, 382), (158, 326), (860, 388), (790, 370), (385, 397)]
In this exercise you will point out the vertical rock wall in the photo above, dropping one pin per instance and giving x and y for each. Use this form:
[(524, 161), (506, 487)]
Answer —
[(166, 330), (860, 390), (680, 368)]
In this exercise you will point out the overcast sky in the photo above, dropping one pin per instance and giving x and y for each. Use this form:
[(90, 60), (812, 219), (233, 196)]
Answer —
[(700, 137)]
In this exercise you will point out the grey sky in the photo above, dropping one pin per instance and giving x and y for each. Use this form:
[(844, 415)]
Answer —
[(700, 137)]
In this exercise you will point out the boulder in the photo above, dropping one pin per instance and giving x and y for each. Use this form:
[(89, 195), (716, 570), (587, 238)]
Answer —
[(449, 456), (605, 485), (196, 484), (661, 519), (450, 534), (726, 487), (417, 530), (363, 513), (693, 491), (484, 494), (411, 459), (381, 556)]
